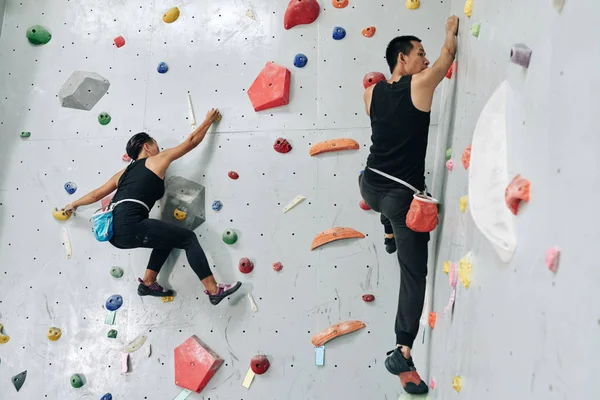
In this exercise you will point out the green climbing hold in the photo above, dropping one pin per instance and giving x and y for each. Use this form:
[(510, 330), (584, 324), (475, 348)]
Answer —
[(112, 334), (76, 381), (25, 134), (448, 153), (104, 118), (37, 34), (229, 236), (475, 28), (116, 272)]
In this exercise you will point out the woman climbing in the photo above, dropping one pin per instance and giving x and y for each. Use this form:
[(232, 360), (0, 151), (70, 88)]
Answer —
[(143, 182)]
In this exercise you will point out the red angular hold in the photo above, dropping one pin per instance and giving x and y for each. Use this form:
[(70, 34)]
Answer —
[(245, 266), (367, 298), (300, 12), (126, 157), (372, 78), (195, 364), (271, 88), (119, 41), (277, 266), (363, 204), (282, 146), (233, 175), (259, 364), (519, 189), (451, 70)]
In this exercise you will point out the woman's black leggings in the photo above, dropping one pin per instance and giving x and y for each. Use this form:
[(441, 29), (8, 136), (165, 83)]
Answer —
[(162, 237)]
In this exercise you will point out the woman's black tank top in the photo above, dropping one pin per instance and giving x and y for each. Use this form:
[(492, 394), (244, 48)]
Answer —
[(399, 136), (137, 182)]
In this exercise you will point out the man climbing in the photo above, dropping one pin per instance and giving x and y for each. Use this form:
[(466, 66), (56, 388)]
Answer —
[(400, 110)]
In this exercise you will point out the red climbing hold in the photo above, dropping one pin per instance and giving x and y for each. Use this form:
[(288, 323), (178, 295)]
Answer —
[(367, 298), (271, 88), (372, 78), (119, 41), (277, 266), (363, 204), (282, 146), (517, 190), (300, 12), (245, 266), (466, 157), (195, 364), (259, 364), (451, 70), (233, 175), (126, 157)]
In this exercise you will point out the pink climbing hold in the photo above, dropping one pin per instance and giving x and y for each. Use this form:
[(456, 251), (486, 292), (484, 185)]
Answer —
[(126, 157), (363, 204), (245, 266), (451, 70), (450, 165), (233, 175), (300, 12), (372, 78), (271, 88), (277, 266), (466, 157), (552, 258), (432, 383), (517, 190), (119, 41)]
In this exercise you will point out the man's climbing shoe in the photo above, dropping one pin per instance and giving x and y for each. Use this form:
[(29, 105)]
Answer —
[(223, 290), (152, 290), (390, 244), (396, 364)]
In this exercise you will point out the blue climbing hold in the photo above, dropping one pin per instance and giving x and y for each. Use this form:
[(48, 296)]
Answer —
[(107, 396), (114, 302), (70, 187), (162, 68), (217, 205), (300, 60), (339, 33)]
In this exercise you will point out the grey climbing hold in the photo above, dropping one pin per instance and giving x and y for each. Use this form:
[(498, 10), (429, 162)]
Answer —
[(520, 55), (83, 90), (19, 380), (183, 194), (37, 34), (116, 272)]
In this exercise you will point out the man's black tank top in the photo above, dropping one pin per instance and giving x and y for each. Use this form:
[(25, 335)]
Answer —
[(137, 182), (399, 136)]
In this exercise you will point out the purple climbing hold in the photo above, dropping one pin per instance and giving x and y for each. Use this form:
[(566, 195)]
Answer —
[(520, 55)]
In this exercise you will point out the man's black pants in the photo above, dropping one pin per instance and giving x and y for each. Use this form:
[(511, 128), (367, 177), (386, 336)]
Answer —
[(393, 204)]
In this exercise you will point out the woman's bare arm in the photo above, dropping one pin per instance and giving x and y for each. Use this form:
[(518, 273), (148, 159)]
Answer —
[(96, 194)]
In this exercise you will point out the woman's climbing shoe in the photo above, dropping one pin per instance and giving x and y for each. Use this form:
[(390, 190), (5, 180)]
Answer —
[(223, 290), (152, 290), (396, 364)]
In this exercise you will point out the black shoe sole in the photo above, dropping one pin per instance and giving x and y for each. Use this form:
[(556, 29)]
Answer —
[(397, 364), (214, 300), (144, 291)]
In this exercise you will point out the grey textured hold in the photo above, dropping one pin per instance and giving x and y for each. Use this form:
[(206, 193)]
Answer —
[(83, 90), (187, 196)]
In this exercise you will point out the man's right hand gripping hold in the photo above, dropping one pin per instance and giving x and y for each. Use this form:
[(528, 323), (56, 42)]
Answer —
[(400, 109)]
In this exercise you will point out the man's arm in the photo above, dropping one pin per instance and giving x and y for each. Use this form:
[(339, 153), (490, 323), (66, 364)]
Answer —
[(432, 77), (367, 96)]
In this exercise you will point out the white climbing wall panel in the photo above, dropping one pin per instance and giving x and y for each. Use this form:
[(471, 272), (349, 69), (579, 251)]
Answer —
[(214, 51)]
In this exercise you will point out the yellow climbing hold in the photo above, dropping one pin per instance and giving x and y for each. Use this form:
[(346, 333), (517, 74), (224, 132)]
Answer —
[(54, 334), (3, 338), (413, 4), (462, 203), (167, 299), (464, 270), (60, 215), (468, 8), (171, 15), (446, 267), (179, 215), (457, 383)]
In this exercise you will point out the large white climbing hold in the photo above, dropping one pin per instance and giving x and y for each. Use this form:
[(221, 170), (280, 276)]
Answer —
[(253, 305), (192, 116), (297, 200), (135, 344), (67, 243), (488, 176), (83, 90)]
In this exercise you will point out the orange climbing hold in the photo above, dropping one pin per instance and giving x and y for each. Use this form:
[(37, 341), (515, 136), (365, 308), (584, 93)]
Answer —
[(369, 32), (451, 70), (195, 364), (339, 3), (372, 78), (517, 190), (342, 328), (466, 157), (431, 320), (271, 88), (333, 145), (333, 234), (300, 12)]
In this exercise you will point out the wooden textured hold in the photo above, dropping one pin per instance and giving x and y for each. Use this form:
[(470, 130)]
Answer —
[(333, 234), (336, 330), (333, 145)]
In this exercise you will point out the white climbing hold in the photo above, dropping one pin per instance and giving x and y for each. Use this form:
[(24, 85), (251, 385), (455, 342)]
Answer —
[(67, 242), (297, 200), (148, 350), (248, 379), (252, 302), (250, 14), (558, 4), (192, 116), (135, 344), (124, 363)]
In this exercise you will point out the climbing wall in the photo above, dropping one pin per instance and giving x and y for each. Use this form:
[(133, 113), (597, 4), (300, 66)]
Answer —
[(214, 51), (521, 330)]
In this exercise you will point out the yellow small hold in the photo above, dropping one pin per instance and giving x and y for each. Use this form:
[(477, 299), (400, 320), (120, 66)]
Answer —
[(463, 202), (446, 267), (167, 299), (171, 15), (60, 215), (54, 334), (464, 270), (179, 215), (457, 383), (3, 338), (413, 4), (468, 8)]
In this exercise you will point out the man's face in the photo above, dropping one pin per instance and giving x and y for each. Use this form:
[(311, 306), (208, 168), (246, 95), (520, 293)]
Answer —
[(416, 61)]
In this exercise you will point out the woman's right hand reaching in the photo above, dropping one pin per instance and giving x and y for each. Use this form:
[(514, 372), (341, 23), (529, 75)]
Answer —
[(213, 115)]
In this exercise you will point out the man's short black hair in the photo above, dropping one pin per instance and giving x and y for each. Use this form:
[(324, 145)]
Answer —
[(400, 44)]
